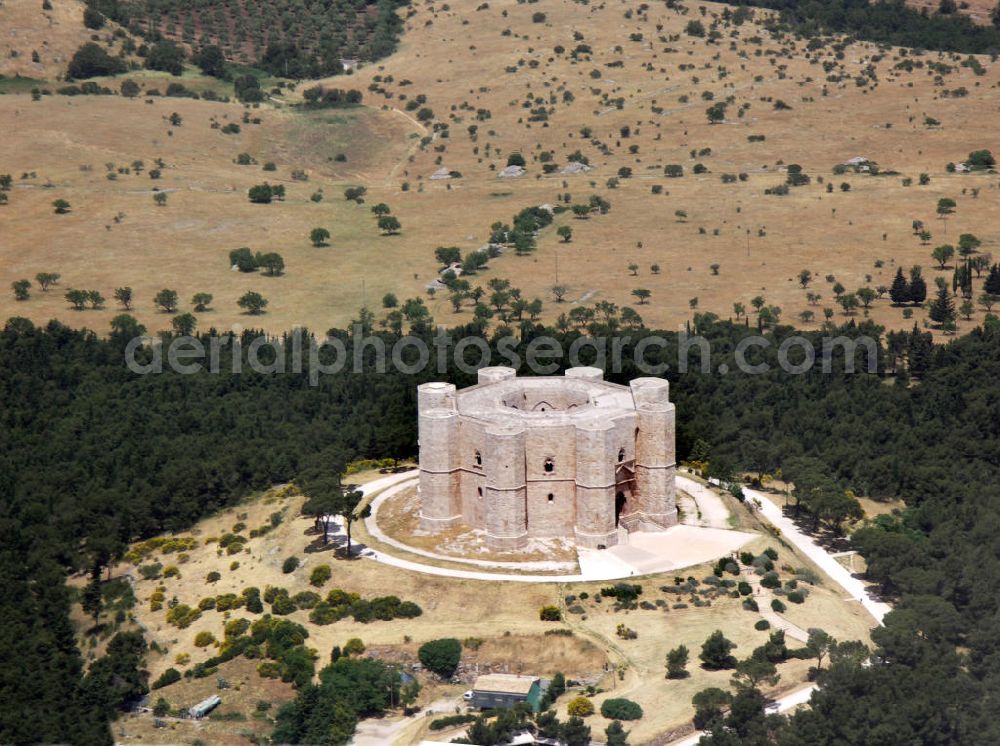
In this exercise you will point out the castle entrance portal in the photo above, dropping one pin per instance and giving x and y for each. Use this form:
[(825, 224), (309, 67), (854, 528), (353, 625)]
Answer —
[(619, 505)]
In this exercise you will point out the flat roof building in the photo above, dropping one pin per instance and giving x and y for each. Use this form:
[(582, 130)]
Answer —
[(506, 690)]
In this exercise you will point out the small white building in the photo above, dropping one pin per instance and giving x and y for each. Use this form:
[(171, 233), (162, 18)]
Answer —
[(511, 172), (576, 167), (441, 173)]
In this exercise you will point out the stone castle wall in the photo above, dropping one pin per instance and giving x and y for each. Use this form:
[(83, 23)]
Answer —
[(572, 457)]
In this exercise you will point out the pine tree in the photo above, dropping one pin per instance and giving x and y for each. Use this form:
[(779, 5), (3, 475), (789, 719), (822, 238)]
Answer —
[(942, 309), (616, 734), (900, 290), (992, 284), (918, 287), (677, 660), (919, 351)]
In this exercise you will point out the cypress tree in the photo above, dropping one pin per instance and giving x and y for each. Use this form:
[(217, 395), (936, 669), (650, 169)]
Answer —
[(900, 291)]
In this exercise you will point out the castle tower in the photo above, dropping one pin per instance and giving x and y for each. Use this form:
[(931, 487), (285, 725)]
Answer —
[(595, 484), (506, 489), (655, 460), (438, 438)]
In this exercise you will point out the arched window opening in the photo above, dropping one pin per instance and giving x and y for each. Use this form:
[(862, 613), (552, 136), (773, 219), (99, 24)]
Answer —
[(479, 459), (551, 497), (621, 455), (549, 465)]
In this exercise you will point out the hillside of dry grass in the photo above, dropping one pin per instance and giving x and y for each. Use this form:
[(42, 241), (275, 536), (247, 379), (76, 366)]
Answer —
[(626, 88)]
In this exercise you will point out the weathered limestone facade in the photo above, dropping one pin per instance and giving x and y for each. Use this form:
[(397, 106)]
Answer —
[(571, 456)]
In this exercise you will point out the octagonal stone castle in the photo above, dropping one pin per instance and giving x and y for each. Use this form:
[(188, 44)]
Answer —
[(551, 456)]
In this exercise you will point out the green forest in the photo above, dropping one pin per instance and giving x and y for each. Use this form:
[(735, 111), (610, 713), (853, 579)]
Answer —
[(886, 22), (287, 39), (94, 456)]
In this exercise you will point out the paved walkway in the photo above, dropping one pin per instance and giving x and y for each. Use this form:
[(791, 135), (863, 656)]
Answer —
[(763, 597), (805, 544), (833, 569), (808, 546), (371, 523), (646, 553), (710, 510)]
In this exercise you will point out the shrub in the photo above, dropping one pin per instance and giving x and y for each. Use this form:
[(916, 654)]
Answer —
[(777, 606), (213, 577), (744, 588), (450, 721), (182, 615), (580, 707), (168, 677), (269, 670), (283, 605), (550, 614), (796, 597), (354, 646), (203, 639), (227, 601), (761, 624), (319, 575), (621, 709), (290, 565), (771, 580), (150, 572), (323, 614), (305, 599), (91, 60), (441, 656)]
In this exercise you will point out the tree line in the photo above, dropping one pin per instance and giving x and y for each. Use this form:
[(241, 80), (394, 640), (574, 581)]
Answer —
[(94, 457)]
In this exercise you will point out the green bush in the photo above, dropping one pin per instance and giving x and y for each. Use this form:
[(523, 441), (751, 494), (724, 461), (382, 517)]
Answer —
[(550, 614), (450, 721), (621, 709), (354, 646), (744, 588), (796, 597), (168, 677), (777, 606), (290, 565), (305, 599), (151, 572), (762, 624), (319, 575), (441, 656), (283, 605), (770, 580)]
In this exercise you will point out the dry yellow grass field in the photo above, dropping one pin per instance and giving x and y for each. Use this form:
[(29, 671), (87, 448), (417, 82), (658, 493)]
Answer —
[(503, 615), (26, 27), (457, 59)]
